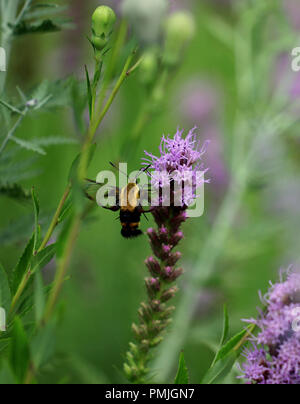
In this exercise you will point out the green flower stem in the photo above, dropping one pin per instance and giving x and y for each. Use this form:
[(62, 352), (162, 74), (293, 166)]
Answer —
[(96, 119), (20, 290), (82, 171), (120, 40), (45, 241), (62, 268), (55, 219), (13, 130)]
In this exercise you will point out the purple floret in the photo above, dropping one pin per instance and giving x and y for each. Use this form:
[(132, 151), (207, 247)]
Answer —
[(275, 358)]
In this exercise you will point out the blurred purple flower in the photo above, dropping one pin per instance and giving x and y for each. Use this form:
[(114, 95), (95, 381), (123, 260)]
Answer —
[(275, 358), (200, 105), (292, 8), (199, 101)]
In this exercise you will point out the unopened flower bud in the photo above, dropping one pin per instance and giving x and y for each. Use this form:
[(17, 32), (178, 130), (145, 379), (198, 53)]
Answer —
[(153, 266), (103, 21), (173, 258), (156, 305), (169, 294), (152, 285), (167, 313), (140, 332), (146, 17), (149, 67), (175, 240), (128, 371), (145, 344), (179, 30), (156, 341), (134, 349)]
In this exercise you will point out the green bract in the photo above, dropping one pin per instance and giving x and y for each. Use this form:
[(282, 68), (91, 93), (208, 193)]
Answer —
[(149, 66), (103, 21), (179, 30)]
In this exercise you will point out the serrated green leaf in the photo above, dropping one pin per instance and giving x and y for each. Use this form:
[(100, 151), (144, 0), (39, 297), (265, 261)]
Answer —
[(53, 141), (40, 11), (43, 27), (20, 352), (182, 376), (5, 294), (25, 144), (22, 265), (14, 191)]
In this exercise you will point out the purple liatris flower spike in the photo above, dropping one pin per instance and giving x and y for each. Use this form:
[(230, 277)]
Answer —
[(177, 156), (178, 171), (275, 358)]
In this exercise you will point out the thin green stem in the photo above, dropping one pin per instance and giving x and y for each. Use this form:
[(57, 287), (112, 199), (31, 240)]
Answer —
[(125, 73), (8, 16), (62, 268), (20, 290), (55, 219), (82, 171), (45, 241), (97, 120), (12, 131)]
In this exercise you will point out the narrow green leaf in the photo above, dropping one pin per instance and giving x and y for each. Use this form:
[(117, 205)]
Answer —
[(225, 326), (39, 297), (89, 89), (231, 344), (5, 295), (20, 352), (53, 141), (36, 209), (43, 346), (43, 258), (25, 144), (225, 333), (221, 369), (11, 108), (6, 375), (182, 376), (22, 265)]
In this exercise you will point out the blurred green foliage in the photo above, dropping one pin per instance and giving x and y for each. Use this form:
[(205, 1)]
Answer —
[(101, 296)]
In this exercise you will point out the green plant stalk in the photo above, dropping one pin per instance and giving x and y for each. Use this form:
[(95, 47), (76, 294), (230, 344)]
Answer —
[(12, 131), (204, 266), (55, 219), (82, 171), (213, 247), (62, 268), (97, 120), (8, 15), (45, 241), (121, 36)]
